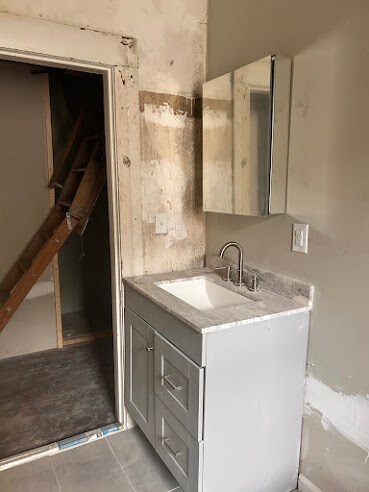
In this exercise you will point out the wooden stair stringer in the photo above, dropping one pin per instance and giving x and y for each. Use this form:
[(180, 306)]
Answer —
[(39, 264), (51, 222)]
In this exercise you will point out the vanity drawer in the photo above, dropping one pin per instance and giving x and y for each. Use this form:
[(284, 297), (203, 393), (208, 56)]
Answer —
[(182, 454), (179, 383)]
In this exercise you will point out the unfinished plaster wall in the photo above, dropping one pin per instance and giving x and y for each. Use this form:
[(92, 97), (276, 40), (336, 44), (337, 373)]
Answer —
[(171, 40), (328, 189), (24, 202)]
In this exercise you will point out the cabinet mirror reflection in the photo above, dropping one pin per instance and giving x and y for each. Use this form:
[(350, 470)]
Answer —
[(245, 139)]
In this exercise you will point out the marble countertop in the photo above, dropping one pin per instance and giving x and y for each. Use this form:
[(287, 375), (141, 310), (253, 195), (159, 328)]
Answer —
[(264, 304)]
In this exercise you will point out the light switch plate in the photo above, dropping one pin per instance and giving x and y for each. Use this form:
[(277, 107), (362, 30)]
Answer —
[(300, 238), (161, 224)]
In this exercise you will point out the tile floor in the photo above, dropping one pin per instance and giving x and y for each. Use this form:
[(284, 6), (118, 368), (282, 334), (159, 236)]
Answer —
[(123, 462)]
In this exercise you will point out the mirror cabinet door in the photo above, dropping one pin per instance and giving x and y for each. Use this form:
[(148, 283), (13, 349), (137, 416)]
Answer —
[(244, 166)]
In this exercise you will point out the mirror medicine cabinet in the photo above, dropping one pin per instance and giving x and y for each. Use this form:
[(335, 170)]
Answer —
[(245, 139)]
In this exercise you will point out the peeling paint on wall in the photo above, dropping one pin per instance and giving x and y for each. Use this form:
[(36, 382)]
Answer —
[(164, 115), (348, 414), (171, 181), (189, 105), (171, 46), (162, 184)]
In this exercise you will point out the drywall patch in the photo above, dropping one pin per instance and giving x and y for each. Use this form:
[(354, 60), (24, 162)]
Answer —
[(41, 289), (348, 414)]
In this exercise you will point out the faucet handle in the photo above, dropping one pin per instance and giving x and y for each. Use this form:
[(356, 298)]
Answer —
[(254, 283), (227, 268)]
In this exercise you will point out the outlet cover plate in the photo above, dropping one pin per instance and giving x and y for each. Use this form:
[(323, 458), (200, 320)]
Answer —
[(300, 238)]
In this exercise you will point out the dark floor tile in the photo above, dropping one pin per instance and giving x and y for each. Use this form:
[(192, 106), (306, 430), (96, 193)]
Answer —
[(31, 477), (139, 460), (90, 468)]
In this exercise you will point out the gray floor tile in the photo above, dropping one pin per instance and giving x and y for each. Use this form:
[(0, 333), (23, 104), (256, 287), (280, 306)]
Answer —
[(92, 467), (143, 467), (34, 476)]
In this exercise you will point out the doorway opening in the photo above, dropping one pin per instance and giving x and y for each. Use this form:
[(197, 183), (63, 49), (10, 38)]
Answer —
[(56, 350), (76, 99)]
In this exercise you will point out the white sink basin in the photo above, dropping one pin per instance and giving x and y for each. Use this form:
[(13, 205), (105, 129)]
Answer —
[(203, 294)]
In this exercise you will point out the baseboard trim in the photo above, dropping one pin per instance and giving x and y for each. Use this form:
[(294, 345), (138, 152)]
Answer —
[(306, 485)]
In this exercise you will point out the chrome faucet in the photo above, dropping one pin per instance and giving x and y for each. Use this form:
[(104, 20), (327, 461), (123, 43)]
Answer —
[(240, 258)]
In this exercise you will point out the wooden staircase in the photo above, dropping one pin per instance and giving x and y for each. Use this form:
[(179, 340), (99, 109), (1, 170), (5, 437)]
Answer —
[(85, 175)]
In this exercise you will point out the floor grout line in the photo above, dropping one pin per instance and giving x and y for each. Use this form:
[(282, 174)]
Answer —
[(56, 476), (120, 464)]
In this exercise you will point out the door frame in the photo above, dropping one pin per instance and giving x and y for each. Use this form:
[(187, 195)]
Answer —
[(40, 42)]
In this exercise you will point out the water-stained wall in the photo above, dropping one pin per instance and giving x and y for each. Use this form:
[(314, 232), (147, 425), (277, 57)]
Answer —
[(171, 39)]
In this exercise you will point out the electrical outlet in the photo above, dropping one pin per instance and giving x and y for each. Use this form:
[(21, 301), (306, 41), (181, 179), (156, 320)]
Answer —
[(300, 238), (161, 224)]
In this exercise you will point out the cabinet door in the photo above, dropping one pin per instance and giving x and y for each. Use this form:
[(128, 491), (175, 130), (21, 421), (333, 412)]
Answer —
[(139, 373)]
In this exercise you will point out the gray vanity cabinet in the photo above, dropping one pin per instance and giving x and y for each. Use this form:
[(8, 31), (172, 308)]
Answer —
[(223, 408), (139, 373)]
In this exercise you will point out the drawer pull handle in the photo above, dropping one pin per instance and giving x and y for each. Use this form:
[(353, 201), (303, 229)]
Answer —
[(149, 349), (171, 384), (166, 441)]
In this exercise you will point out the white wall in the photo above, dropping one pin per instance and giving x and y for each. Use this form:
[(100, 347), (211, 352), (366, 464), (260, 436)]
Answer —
[(327, 188), (24, 202)]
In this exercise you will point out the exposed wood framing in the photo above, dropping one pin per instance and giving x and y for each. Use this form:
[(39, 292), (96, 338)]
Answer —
[(50, 169)]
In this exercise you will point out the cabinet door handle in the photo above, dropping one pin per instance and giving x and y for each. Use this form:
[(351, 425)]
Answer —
[(149, 349), (166, 442), (171, 384)]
